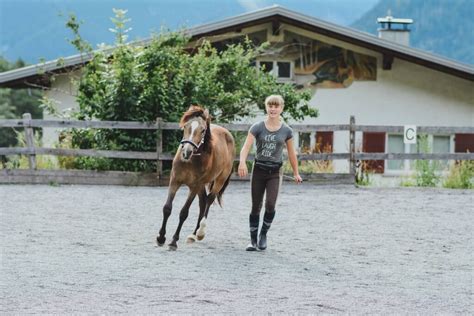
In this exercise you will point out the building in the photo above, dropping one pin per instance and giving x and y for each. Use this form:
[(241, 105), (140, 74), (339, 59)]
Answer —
[(381, 81)]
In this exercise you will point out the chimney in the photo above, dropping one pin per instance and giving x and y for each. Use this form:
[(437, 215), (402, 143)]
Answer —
[(395, 30)]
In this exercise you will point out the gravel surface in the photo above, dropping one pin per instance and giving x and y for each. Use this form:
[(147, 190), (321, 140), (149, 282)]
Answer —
[(332, 250)]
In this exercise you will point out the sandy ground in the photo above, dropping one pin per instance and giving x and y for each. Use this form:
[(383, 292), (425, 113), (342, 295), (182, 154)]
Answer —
[(332, 249)]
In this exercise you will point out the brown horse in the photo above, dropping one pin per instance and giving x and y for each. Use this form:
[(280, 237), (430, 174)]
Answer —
[(203, 162)]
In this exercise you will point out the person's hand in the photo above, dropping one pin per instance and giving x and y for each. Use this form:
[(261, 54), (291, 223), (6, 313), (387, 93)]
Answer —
[(243, 171), (298, 178)]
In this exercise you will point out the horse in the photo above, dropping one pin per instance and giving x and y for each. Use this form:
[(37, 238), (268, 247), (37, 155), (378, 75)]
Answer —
[(203, 162)]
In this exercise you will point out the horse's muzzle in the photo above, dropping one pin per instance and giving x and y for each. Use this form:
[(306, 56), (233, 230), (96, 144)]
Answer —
[(186, 152), (188, 148)]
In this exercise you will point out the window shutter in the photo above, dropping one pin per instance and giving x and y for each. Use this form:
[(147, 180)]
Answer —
[(374, 143), (464, 143)]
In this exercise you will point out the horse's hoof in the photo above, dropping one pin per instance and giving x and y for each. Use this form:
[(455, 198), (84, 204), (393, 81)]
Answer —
[(200, 237), (160, 241), (191, 239), (172, 247)]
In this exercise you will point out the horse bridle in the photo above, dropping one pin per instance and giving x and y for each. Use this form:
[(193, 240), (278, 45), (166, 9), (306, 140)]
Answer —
[(196, 146)]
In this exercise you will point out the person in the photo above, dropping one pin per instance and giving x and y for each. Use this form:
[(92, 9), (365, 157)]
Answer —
[(270, 136)]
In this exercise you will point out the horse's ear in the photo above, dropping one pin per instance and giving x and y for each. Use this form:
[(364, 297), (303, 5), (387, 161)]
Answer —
[(207, 116)]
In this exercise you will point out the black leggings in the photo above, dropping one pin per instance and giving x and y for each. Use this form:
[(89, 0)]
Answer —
[(265, 181)]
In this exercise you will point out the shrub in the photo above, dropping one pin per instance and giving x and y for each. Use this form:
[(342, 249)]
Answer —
[(22, 162), (425, 169), (460, 175), (363, 175), (313, 166)]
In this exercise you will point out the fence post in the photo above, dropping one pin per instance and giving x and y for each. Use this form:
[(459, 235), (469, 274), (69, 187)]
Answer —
[(352, 145), (30, 140), (159, 148)]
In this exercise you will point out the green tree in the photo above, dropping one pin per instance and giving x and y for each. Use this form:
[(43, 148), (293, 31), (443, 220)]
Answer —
[(142, 83), (15, 102)]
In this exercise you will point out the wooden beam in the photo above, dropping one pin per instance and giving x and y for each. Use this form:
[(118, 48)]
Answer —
[(325, 156), (276, 25), (30, 141), (414, 156), (387, 62), (159, 148), (420, 129), (233, 127), (92, 177), (352, 164), (22, 176)]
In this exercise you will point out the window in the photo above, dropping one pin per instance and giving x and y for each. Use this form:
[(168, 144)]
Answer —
[(435, 144), (305, 142), (324, 142), (395, 145), (373, 142), (282, 70), (441, 145), (464, 143), (266, 66), (414, 149)]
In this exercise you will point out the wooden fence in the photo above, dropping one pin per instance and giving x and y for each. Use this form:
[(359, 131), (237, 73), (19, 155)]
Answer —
[(32, 175)]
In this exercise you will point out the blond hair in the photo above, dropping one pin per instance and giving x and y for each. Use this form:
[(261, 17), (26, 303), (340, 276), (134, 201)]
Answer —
[(275, 99)]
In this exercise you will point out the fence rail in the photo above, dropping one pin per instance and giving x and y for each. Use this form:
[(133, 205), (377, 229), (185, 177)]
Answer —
[(352, 156), (36, 123)]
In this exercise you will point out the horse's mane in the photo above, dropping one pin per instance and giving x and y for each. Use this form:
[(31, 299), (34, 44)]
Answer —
[(198, 111)]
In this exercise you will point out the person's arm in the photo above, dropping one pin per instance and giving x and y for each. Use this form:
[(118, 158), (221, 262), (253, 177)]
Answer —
[(293, 160), (244, 152)]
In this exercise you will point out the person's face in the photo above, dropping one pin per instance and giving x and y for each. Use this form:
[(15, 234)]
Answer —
[(274, 110)]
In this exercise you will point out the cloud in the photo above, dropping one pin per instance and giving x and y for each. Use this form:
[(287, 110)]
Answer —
[(252, 5)]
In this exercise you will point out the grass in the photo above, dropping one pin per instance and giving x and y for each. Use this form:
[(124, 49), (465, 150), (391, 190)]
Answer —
[(460, 176), (22, 161), (312, 166)]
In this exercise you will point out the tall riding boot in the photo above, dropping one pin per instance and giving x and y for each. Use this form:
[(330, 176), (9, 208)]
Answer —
[(253, 221), (267, 222)]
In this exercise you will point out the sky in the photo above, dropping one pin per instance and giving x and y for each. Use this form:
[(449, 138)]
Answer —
[(35, 30)]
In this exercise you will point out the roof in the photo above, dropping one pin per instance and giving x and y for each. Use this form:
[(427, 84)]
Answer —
[(276, 14)]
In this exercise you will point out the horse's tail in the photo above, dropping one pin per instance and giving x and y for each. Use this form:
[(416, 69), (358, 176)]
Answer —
[(221, 192)]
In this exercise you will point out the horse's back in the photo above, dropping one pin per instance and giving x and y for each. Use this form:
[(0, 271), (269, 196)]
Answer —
[(223, 158), (222, 134), (224, 146)]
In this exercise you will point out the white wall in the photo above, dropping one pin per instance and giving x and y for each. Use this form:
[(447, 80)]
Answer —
[(63, 94), (406, 94)]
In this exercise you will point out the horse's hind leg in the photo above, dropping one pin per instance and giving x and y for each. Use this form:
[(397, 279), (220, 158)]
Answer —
[(217, 188), (202, 207), (166, 213), (201, 232), (182, 217)]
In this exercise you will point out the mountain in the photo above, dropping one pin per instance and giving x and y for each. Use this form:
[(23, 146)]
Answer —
[(444, 27), (34, 30)]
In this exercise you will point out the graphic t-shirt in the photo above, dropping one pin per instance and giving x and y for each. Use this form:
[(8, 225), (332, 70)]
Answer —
[(270, 144)]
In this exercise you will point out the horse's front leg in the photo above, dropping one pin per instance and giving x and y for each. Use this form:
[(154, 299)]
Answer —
[(182, 217), (202, 207), (167, 212)]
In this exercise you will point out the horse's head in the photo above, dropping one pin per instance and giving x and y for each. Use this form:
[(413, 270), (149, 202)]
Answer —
[(195, 124)]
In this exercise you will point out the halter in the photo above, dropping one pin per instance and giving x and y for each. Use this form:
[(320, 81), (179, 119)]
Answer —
[(196, 147)]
